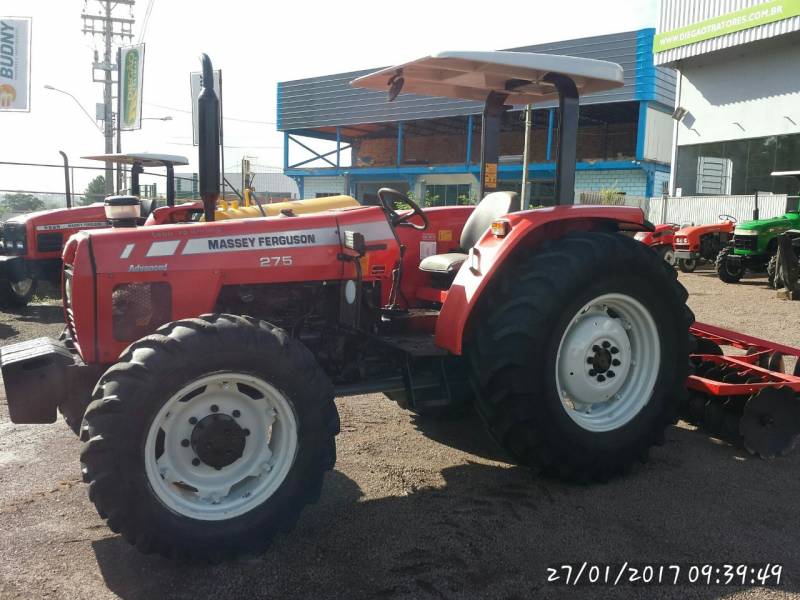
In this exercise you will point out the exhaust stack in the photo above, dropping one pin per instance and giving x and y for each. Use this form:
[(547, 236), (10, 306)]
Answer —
[(208, 140)]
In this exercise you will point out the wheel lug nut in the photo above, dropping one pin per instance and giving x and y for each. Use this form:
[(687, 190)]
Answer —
[(196, 462), (236, 414), (616, 362), (214, 408), (592, 373), (247, 432), (192, 420), (601, 378), (185, 443), (611, 373), (606, 344), (595, 348), (614, 350), (589, 360)]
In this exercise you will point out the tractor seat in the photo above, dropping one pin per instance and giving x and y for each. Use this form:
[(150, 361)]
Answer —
[(491, 208)]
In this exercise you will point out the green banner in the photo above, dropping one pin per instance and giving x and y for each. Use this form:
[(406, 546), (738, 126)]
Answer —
[(766, 12), (131, 77)]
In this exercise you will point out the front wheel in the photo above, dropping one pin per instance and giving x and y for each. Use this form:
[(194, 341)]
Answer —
[(728, 270), (579, 373), (687, 265), (774, 278), (667, 254), (209, 437), (17, 294)]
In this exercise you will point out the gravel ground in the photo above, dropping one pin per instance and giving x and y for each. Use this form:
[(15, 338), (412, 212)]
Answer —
[(427, 510)]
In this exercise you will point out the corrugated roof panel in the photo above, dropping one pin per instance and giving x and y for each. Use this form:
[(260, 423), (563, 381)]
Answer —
[(329, 100), (680, 13)]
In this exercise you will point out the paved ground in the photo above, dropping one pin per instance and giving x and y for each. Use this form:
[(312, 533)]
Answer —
[(418, 510)]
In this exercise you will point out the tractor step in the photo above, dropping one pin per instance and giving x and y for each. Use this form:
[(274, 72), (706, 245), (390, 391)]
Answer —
[(415, 344)]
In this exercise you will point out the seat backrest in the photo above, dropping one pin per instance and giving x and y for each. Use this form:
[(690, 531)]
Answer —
[(492, 207)]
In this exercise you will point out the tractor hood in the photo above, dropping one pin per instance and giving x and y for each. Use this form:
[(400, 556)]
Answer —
[(773, 225), (64, 218)]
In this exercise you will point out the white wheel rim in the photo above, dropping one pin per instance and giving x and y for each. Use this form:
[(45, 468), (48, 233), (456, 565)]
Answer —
[(669, 256), (262, 414), (613, 333), (22, 287)]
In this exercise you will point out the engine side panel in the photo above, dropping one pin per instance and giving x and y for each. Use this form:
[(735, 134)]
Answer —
[(528, 230)]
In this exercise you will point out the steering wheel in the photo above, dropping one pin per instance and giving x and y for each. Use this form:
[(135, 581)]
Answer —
[(386, 195), (724, 217)]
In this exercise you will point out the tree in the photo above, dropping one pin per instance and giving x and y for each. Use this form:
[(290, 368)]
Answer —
[(22, 203), (95, 191)]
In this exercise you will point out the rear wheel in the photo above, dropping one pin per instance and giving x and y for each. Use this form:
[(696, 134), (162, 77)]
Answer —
[(207, 454), (727, 270), (579, 373), (17, 294), (687, 265)]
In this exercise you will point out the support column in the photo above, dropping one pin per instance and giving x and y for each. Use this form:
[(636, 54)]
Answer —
[(399, 144), (490, 142), (567, 137)]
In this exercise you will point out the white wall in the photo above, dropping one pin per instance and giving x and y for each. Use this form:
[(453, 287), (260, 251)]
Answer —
[(323, 185), (740, 93), (658, 136)]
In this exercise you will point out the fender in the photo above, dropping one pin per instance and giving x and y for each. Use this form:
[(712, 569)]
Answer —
[(528, 230)]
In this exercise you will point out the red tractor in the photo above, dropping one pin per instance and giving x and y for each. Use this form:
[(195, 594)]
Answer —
[(204, 358), (32, 244), (660, 240), (702, 242)]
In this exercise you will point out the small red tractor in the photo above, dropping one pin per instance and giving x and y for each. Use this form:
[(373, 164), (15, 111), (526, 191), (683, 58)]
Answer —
[(697, 243), (32, 244), (203, 359), (660, 240)]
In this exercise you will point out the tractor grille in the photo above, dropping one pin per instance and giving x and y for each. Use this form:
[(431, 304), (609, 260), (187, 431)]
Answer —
[(745, 242), (14, 238), (138, 309), (49, 242)]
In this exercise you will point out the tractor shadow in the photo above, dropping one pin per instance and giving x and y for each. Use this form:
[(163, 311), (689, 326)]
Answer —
[(48, 314), (492, 530), (7, 331)]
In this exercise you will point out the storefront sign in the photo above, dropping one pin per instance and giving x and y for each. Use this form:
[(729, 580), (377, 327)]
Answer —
[(747, 18), (15, 64), (131, 70)]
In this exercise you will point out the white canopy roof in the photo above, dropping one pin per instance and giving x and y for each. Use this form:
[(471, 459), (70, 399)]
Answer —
[(473, 75), (785, 173), (146, 159)]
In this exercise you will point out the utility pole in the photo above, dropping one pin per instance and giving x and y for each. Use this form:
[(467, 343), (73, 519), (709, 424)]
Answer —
[(526, 159), (110, 27)]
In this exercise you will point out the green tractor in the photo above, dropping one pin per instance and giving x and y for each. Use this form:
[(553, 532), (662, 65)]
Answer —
[(756, 242)]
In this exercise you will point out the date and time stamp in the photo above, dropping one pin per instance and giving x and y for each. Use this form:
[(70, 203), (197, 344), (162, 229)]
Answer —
[(643, 574)]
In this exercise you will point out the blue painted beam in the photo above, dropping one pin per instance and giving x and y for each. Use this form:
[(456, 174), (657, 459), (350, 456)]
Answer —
[(611, 165), (641, 131), (338, 144), (468, 158), (399, 144), (285, 150), (550, 121)]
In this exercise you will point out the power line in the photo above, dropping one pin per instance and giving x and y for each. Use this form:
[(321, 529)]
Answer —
[(146, 20), (183, 110), (229, 146)]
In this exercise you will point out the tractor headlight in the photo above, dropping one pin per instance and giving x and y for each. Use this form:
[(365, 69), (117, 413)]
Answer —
[(738, 231), (19, 245), (122, 208)]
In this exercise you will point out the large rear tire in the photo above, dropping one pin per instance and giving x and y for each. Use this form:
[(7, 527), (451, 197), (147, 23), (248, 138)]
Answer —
[(208, 438), (774, 278), (726, 271), (667, 254), (580, 354)]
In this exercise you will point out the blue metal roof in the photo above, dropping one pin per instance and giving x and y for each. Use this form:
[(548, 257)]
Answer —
[(329, 101)]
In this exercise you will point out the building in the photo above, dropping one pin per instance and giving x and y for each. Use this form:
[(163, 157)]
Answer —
[(268, 182), (737, 114), (344, 140)]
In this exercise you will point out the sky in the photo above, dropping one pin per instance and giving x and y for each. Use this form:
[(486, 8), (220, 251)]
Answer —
[(255, 43)]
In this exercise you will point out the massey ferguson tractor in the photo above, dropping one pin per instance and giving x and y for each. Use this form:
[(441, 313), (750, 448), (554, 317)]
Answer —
[(204, 357), (32, 244), (660, 240)]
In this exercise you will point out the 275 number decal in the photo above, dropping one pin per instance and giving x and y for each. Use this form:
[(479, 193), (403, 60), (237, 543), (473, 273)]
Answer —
[(276, 261)]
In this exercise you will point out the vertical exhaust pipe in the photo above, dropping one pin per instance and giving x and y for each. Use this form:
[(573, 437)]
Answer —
[(66, 178), (208, 140)]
